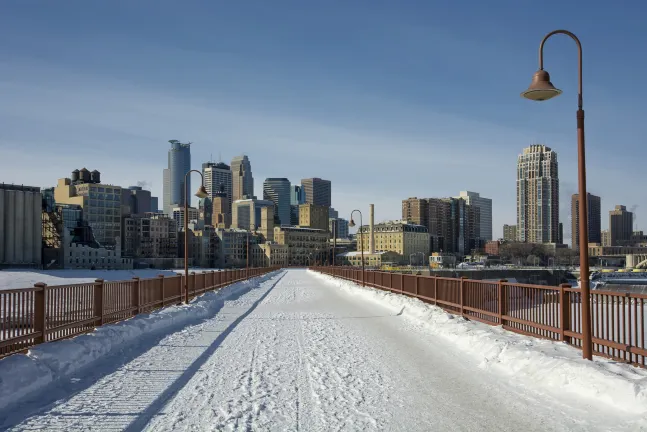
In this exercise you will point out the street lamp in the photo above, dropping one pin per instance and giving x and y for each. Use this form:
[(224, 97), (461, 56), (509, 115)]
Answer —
[(361, 239), (201, 193), (542, 89)]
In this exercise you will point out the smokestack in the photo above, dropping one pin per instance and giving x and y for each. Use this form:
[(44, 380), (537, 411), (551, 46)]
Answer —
[(371, 236)]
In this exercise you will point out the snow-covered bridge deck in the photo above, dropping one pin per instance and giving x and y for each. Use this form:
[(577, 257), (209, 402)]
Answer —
[(297, 353)]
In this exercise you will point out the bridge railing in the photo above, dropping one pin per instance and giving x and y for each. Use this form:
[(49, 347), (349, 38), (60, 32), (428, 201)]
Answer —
[(31, 316), (618, 318)]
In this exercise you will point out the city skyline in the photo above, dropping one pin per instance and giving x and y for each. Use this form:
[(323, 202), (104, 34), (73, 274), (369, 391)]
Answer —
[(77, 92)]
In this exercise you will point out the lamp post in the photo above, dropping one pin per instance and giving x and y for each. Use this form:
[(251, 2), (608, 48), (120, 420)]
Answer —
[(361, 239), (201, 193), (542, 89)]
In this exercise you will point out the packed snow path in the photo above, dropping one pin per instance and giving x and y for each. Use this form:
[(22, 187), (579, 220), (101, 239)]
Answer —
[(295, 353)]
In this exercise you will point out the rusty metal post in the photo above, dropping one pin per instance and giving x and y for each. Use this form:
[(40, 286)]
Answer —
[(40, 319), (462, 294), (135, 296), (502, 300), (192, 284), (418, 284), (435, 290), (565, 312), (98, 302), (163, 289)]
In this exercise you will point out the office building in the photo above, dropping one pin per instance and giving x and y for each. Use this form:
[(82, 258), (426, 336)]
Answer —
[(178, 215), (179, 163), (317, 191), (277, 190), (620, 226), (294, 215), (221, 208), (218, 179), (416, 211), (605, 238), (340, 225), (101, 203), (305, 245), (594, 211), (485, 210), (150, 235), (537, 195), (510, 233), (401, 237), (135, 200), (267, 223), (313, 216), (247, 213), (242, 179), (155, 205), (20, 226)]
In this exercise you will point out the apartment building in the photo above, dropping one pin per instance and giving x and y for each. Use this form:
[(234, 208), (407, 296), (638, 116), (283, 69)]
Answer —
[(305, 245)]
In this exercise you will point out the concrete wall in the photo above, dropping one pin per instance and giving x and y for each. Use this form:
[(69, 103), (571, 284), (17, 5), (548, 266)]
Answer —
[(20, 228)]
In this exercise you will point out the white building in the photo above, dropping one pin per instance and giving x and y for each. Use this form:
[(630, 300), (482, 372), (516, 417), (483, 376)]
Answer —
[(246, 213), (485, 207), (216, 174), (178, 215), (80, 256)]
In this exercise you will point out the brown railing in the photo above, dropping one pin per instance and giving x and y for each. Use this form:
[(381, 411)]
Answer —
[(30, 316), (547, 312)]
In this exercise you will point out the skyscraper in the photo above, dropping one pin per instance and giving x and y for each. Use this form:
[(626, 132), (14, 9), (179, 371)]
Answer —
[(485, 209), (216, 174), (620, 225), (166, 192), (594, 219), (317, 191), (277, 190), (242, 179), (179, 163), (537, 195)]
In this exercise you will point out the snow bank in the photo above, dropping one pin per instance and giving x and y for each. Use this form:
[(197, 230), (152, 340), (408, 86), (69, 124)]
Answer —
[(555, 366), (13, 279), (22, 374)]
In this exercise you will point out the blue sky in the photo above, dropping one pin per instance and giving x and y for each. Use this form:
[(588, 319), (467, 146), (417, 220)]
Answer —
[(386, 99)]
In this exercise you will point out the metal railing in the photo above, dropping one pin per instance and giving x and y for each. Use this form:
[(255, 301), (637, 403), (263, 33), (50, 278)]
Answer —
[(618, 318), (31, 316)]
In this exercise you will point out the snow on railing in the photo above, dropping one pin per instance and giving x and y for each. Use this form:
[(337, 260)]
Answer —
[(30, 316)]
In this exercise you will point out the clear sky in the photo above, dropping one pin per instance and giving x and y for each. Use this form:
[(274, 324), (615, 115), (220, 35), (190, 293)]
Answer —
[(386, 99)]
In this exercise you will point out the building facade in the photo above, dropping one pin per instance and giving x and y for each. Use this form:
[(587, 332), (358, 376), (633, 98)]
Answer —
[(620, 226), (20, 226), (305, 245), (510, 233), (313, 216), (400, 237), (537, 195), (275, 255), (136, 200), (247, 213), (594, 211), (178, 215), (78, 255), (297, 195), (218, 179), (277, 190), (485, 211), (234, 248), (101, 203), (242, 179), (152, 235), (317, 191), (340, 225)]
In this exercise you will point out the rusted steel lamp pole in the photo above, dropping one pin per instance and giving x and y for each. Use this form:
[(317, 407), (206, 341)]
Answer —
[(201, 193), (361, 238), (542, 89)]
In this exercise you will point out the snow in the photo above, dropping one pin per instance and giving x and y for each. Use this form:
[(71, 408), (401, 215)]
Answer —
[(298, 351), (553, 365), (22, 374), (13, 279)]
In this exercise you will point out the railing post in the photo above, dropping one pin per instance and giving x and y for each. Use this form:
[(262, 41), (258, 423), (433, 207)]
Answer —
[(40, 320), (135, 296), (565, 318), (163, 290), (192, 279), (435, 290), (98, 302), (462, 294), (401, 282), (418, 284), (502, 300)]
